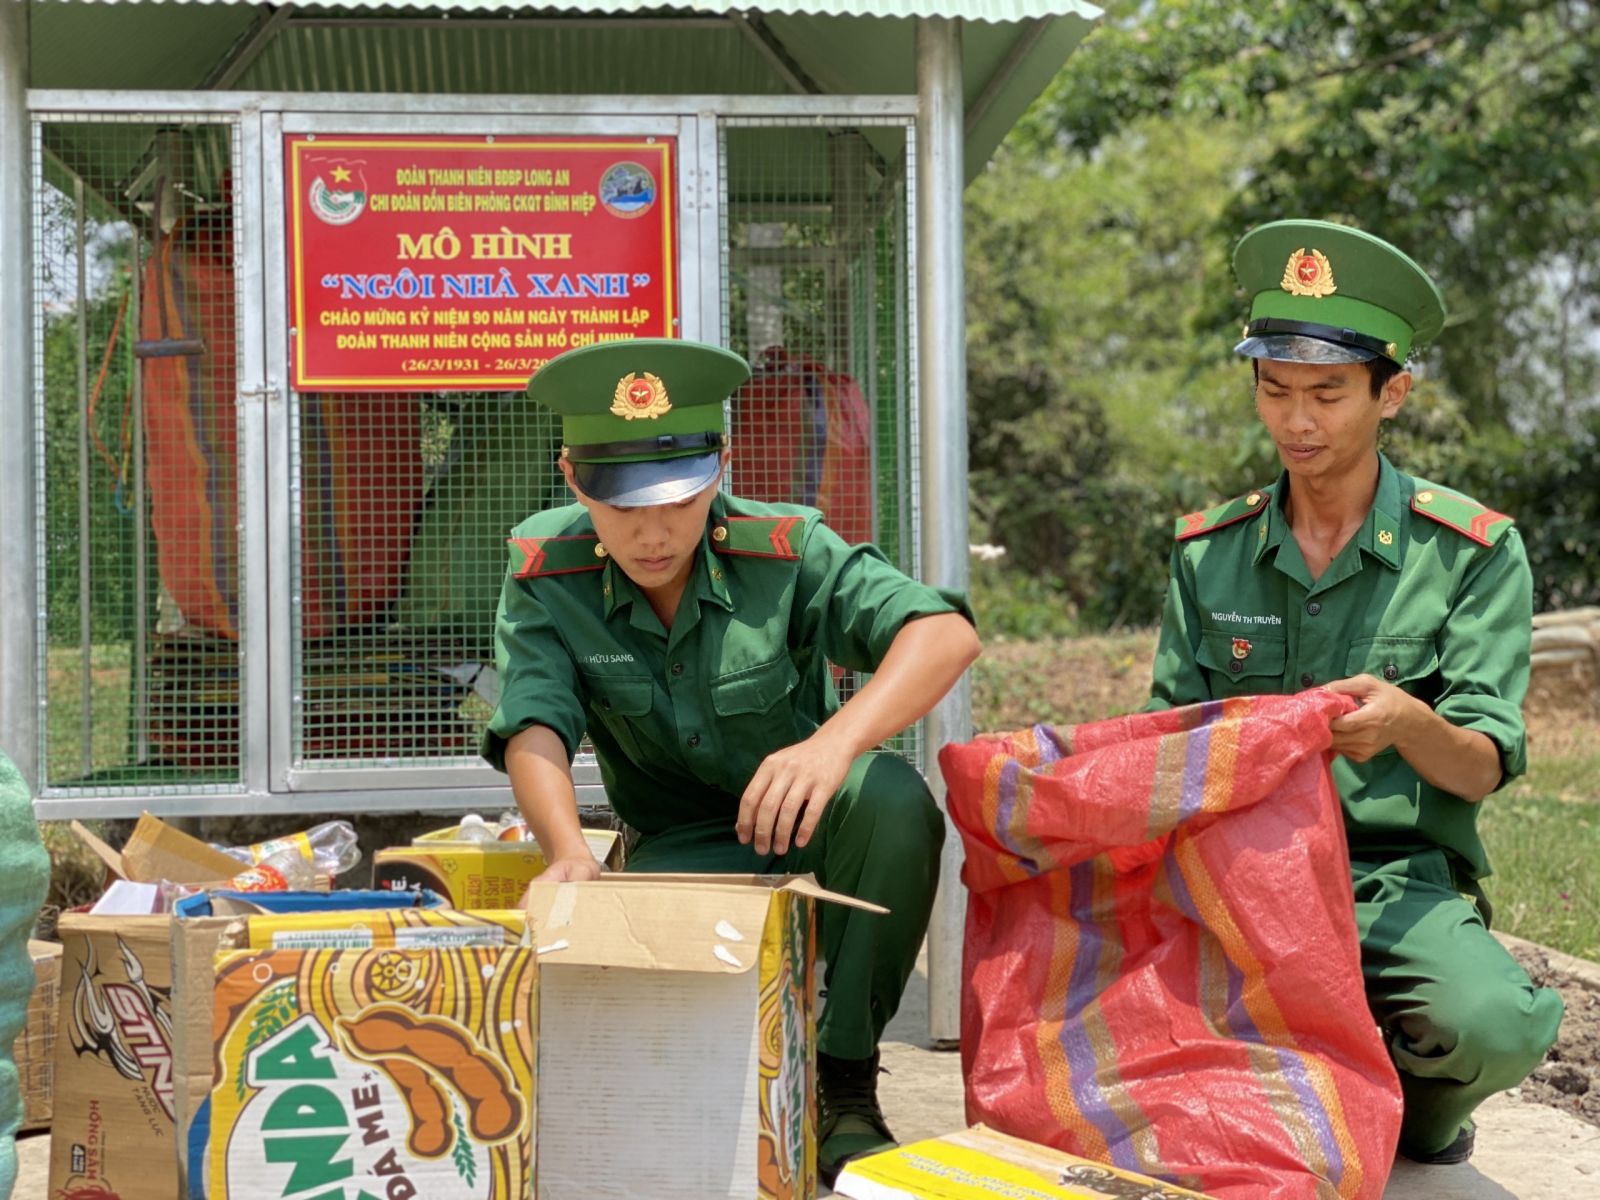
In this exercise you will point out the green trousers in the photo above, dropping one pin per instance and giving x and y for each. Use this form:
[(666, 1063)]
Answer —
[(24, 878), (1461, 1018), (879, 840)]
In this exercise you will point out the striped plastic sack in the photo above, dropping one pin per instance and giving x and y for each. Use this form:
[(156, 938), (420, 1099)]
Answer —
[(1162, 969)]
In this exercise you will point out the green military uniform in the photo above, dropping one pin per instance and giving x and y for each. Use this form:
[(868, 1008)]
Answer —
[(680, 719), (1433, 595)]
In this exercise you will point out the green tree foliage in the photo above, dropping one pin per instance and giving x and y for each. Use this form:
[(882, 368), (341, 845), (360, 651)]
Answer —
[(1102, 309)]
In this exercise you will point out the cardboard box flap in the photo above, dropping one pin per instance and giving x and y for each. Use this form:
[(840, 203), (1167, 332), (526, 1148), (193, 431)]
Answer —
[(156, 851), (650, 923), (803, 885)]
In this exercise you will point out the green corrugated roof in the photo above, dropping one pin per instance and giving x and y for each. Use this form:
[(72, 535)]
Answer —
[(1011, 49)]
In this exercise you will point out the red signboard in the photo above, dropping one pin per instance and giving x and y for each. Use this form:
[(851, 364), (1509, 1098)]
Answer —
[(466, 263)]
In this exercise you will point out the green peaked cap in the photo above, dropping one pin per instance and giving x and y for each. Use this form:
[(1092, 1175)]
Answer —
[(1336, 285), (643, 400)]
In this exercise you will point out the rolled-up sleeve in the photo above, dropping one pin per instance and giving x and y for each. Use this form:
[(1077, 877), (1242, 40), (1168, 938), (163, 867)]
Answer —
[(1484, 651), (538, 681), (851, 601)]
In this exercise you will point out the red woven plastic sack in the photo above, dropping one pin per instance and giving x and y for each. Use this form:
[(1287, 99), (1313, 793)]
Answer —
[(1162, 969)]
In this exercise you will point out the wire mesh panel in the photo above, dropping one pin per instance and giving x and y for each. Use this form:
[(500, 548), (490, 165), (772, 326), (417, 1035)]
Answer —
[(816, 264), (137, 435), (402, 504)]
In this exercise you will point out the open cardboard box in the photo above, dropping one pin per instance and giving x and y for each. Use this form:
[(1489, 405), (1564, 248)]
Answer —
[(117, 1076), (677, 1036)]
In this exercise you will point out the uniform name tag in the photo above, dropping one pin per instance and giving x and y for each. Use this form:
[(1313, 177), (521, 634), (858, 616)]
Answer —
[(601, 660), (1238, 619)]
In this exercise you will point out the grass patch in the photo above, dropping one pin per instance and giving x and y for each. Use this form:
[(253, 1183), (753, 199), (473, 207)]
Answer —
[(1544, 850), (111, 685)]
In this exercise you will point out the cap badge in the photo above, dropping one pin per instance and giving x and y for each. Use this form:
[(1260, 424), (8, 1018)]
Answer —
[(640, 396), (1308, 274), (1241, 648)]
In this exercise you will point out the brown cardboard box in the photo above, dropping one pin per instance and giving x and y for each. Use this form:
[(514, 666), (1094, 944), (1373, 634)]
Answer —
[(112, 1127), (35, 1046), (681, 1009)]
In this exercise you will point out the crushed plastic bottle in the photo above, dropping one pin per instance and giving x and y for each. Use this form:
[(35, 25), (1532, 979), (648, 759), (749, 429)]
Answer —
[(328, 849), (512, 827), (474, 828), (285, 871)]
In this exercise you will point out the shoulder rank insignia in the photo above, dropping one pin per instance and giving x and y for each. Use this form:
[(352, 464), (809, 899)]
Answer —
[(531, 557), (1466, 517), (1237, 509), (757, 537)]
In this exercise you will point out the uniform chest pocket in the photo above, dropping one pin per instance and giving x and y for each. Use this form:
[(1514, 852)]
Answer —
[(620, 703), (1404, 662), (754, 689), (1241, 666)]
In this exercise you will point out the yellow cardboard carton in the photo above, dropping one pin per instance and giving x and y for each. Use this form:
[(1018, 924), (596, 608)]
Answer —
[(680, 1009), (980, 1164), (388, 1072), (476, 875)]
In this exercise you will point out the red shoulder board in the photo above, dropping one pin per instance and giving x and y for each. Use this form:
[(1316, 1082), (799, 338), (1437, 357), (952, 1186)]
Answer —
[(1205, 521), (1466, 517), (531, 557), (756, 537)]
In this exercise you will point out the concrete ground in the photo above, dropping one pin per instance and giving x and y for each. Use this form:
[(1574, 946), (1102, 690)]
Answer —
[(1524, 1152)]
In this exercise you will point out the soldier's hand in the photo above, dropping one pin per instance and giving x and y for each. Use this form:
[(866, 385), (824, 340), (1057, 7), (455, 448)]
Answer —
[(792, 785), (571, 870), (1387, 714)]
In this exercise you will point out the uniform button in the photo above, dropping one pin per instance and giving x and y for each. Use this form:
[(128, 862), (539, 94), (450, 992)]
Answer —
[(1306, 680), (694, 740), (1313, 607), (1391, 672), (1235, 666), (677, 668)]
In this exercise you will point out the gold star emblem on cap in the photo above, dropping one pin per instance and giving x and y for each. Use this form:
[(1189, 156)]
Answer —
[(640, 395), (1391, 349), (1385, 537), (1424, 497), (1308, 273)]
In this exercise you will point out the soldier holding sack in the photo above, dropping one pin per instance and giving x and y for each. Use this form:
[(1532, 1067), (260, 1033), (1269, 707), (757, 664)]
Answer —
[(1413, 599)]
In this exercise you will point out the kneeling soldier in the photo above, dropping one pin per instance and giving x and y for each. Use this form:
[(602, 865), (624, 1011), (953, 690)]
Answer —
[(690, 635)]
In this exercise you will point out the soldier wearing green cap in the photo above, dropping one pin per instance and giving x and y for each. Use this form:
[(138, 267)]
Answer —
[(692, 635), (1413, 599)]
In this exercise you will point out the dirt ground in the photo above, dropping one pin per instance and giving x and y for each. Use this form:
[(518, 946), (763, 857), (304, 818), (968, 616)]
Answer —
[(1569, 1077)]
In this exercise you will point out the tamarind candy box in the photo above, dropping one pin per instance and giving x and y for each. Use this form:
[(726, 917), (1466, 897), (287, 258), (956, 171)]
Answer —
[(397, 1069), (677, 1020), (477, 875)]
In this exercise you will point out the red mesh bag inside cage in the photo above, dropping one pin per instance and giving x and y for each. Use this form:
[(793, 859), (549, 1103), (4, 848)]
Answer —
[(1162, 969), (802, 435), (361, 465)]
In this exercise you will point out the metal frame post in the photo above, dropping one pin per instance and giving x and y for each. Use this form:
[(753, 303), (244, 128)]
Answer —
[(19, 579), (942, 414)]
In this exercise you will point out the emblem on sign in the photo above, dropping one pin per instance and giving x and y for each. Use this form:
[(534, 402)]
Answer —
[(640, 396), (1241, 648), (1309, 274), (338, 194)]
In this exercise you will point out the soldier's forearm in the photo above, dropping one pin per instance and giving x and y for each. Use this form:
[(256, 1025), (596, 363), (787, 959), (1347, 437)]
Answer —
[(1461, 761), (924, 661), (541, 781)]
